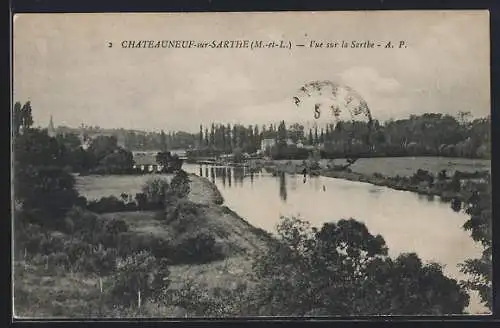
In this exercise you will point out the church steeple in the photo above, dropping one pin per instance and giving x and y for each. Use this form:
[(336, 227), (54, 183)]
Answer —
[(51, 130)]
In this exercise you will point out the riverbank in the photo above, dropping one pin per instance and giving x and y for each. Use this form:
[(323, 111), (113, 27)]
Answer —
[(47, 289), (443, 189)]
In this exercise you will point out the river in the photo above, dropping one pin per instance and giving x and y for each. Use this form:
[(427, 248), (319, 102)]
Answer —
[(408, 222)]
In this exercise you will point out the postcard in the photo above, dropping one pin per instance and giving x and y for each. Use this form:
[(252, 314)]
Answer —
[(257, 164)]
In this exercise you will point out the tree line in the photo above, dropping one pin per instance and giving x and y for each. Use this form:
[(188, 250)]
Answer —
[(430, 134), (65, 150)]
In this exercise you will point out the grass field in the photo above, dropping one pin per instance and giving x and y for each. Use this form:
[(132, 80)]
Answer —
[(406, 166), (97, 186)]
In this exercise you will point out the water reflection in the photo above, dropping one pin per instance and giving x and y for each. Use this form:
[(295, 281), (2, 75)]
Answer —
[(283, 194), (230, 177)]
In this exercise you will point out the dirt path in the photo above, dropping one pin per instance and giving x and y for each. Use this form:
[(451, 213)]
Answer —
[(203, 191)]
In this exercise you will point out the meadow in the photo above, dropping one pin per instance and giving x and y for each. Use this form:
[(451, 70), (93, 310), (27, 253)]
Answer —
[(407, 166)]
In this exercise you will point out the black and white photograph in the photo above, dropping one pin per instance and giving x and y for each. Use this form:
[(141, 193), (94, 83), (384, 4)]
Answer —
[(251, 164)]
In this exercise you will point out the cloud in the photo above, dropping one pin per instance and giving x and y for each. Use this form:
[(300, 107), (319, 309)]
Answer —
[(367, 80)]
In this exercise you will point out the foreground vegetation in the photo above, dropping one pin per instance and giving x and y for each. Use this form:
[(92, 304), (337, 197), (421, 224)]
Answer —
[(70, 261)]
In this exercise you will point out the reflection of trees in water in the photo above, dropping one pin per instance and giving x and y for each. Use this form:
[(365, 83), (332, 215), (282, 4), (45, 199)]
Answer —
[(239, 175), (212, 174), (227, 175), (221, 171), (283, 193)]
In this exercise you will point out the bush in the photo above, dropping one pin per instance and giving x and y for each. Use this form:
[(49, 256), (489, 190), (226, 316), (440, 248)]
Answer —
[(77, 249), (183, 216), (140, 272), (198, 302), (99, 260), (200, 248), (133, 243), (29, 237), (422, 176), (155, 191), (51, 243), (179, 185), (108, 205), (111, 233), (80, 220)]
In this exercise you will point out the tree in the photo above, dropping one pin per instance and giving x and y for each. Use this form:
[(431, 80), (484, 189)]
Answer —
[(212, 136), (296, 132), (163, 141), (238, 155), (139, 273), (479, 271), (22, 117), (168, 161), (223, 137), (156, 191), (41, 184), (229, 139), (310, 137), (17, 118), (120, 160), (102, 146), (235, 137), (327, 133), (200, 140), (180, 184), (282, 135), (463, 117), (342, 269)]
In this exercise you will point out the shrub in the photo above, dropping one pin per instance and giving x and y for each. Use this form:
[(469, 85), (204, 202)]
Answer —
[(76, 249), (52, 243), (111, 233), (107, 205), (200, 248), (182, 215), (81, 220), (179, 185), (133, 243), (29, 237), (99, 260), (155, 191), (140, 272)]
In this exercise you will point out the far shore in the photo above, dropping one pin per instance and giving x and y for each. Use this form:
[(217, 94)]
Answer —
[(393, 182)]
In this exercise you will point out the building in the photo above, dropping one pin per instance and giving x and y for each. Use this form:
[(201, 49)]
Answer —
[(179, 152), (146, 162), (50, 129), (265, 144)]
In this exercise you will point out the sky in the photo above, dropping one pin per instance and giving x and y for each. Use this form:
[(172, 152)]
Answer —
[(63, 65)]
